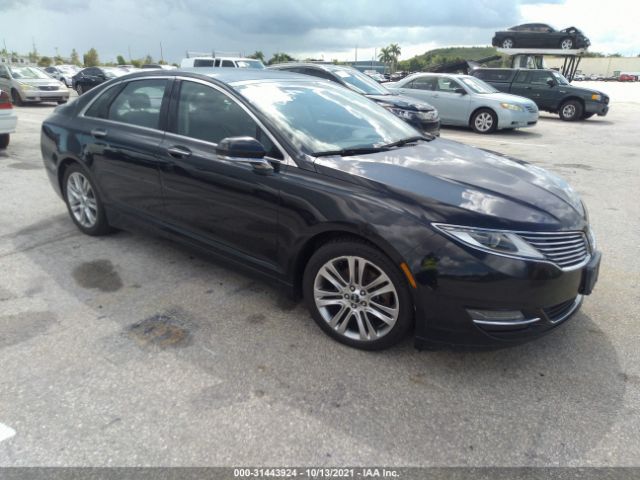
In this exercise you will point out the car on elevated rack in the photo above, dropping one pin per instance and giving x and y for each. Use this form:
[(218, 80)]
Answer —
[(540, 35), (330, 195)]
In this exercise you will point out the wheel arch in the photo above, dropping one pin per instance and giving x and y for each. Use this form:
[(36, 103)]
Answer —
[(483, 107)]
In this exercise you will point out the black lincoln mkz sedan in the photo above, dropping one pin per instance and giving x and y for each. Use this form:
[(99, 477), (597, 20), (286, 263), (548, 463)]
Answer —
[(319, 189)]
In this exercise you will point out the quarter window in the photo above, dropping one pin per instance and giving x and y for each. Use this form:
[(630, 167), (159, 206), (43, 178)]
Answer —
[(139, 103), (207, 114)]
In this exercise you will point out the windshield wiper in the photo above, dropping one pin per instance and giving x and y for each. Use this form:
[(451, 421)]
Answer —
[(407, 140), (344, 152)]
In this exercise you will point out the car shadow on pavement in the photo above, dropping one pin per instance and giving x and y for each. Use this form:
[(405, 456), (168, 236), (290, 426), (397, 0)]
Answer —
[(547, 402), (516, 133)]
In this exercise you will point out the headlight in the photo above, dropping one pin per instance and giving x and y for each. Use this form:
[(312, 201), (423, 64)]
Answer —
[(511, 106), (492, 241), (400, 112), (596, 96), (429, 115), (26, 86)]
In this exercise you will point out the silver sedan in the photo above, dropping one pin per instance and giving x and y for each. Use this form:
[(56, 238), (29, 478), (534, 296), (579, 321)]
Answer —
[(463, 100)]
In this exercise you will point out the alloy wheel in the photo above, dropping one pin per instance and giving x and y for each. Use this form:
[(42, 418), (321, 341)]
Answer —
[(507, 43), (356, 298), (483, 122), (569, 111), (566, 44), (82, 200)]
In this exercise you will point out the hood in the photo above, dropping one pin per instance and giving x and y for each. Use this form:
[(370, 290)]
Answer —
[(584, 91), (507, 98), (402, 101), (443, 175), (39, 81)]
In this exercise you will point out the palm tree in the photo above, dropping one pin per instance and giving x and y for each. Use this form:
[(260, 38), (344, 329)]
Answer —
[(394, 51), (385, 56), (258, 55)]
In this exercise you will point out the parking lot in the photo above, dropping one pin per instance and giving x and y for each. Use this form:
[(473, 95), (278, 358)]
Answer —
[(131, 350)]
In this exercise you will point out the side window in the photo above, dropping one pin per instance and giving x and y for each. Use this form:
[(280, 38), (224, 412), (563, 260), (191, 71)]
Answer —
[(314, 72), (205, 113), (100, 107), (139, 103), (540, 77), (200, 62), (494, 75), (423, 83), (445, 84), (521, 77), (227, 63)]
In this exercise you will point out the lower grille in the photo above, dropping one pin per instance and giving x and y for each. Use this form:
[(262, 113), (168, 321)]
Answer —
[(566, 249), (532, 109), (48, 88), (561, 311)]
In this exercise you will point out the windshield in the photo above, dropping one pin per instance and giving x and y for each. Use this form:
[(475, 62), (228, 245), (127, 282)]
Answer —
[(560, 79), (323, 117), (28, 73), (478, 86), (360, 82), (249, 64)]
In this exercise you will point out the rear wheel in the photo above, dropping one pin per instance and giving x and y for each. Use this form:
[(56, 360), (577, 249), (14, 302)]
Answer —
[(4, 141), (484, 121), (508, 43), (83, 202), (16, 99), (566, 43), (571, 110), (357, 295)]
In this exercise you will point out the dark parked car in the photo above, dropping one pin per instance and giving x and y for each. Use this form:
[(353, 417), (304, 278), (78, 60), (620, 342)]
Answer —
[(90, 77), (329, 195), (549, 89), (421, 115), (540, 35)]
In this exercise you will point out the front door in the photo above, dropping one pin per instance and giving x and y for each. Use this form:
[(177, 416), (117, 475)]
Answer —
[(452, 105), (222, 202)]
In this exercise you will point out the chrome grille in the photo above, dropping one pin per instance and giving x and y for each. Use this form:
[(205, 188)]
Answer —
[(48, 88), (566, 249)]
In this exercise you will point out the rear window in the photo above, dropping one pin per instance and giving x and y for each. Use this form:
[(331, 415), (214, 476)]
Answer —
[(203, 63)]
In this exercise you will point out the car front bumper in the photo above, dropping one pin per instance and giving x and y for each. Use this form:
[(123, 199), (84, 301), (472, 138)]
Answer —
[(451, 290), (8, 122), (44, 95), (430, 127), (514, 119), (599, 108)]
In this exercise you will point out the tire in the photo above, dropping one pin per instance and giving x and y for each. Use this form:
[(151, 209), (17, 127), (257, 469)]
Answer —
[(16, 99), (4, 141), (508, 43), (84, 205), (79, 89), (587, 115), (566, 43), (61, 102), (357, 321), (484, 120), (571, 110)]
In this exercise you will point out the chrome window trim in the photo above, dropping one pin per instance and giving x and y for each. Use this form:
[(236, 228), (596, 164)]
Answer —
[(587, 259), (287, 160)]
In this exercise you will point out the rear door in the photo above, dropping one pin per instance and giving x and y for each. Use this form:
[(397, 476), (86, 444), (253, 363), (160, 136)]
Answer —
[(123, 131), (520, 85), (422, 88)]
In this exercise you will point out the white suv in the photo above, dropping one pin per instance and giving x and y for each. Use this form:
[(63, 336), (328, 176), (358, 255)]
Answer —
[(232, 62)]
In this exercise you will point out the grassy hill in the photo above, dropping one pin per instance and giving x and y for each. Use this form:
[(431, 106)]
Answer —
[(442, 55)]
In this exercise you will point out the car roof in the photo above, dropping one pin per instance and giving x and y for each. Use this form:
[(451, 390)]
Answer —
[(329, 67), (230, 76)]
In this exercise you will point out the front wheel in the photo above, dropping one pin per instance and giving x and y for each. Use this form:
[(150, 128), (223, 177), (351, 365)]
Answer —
[(508, 43), (571, 110), (16, 99), (79, 89), (484, 121), (4, 141), (357, 295), (83, 202), (566, 44)]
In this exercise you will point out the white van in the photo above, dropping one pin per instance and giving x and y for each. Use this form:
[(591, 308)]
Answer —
[(232, 62)]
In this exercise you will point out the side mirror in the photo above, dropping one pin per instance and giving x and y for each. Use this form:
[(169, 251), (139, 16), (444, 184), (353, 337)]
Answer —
[(244, 149), (551, 82), (461, 91)]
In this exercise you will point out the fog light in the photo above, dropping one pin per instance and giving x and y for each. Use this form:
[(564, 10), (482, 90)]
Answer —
[(500, 317)]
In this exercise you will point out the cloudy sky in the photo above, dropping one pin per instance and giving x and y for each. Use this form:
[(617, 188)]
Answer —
[(303, 28)]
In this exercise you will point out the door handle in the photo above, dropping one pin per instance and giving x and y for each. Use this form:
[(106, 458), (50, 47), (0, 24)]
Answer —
[(179, 152), (99, 133)]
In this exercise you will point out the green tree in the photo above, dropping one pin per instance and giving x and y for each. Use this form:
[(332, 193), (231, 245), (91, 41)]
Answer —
[(394, 51), (258, 55), (385, 56), (148, 59), (136, 63), (58, 60), (91, 58), (280, 58), (44, 62), (121, 60), (75, 58)]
